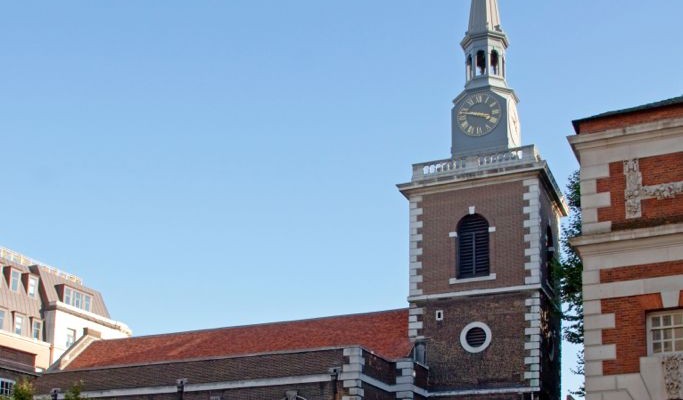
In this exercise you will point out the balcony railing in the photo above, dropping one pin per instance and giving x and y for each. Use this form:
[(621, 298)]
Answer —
[(501, 158), (21, 259)]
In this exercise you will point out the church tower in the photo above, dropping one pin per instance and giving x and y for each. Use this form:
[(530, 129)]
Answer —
[(484, 223)]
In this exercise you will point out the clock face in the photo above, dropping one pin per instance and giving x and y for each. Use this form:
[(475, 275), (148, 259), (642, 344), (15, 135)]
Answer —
[(478, 114)]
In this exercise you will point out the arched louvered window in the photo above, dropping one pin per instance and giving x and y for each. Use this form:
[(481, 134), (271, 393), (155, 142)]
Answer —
[(473, 247)]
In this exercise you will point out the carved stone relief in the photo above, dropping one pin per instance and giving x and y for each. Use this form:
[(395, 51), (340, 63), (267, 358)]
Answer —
[(672, 376), (635, 191)]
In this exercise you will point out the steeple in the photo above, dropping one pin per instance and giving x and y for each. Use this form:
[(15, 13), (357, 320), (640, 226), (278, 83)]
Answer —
[(484, 16), (484, 45), (485, 113)]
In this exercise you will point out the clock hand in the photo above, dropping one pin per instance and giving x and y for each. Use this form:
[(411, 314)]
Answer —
[(477, 114)]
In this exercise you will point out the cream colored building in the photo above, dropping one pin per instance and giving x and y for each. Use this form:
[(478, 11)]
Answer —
[(43, 311)]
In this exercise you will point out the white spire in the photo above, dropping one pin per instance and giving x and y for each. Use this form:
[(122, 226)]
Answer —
[(484, 16)]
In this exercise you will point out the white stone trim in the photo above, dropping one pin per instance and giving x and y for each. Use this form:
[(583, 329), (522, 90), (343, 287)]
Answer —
[(415, 250), (601, 352), (415, 315), (532, 221), (532, 343), (596, 227), (633, 288), (152, 390), (489, 277), (632, 251), (471, 210), (470, 326), (475, 292), (642, 140), (474, 392)]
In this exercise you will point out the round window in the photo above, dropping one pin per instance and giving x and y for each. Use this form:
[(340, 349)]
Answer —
[(475, 337)]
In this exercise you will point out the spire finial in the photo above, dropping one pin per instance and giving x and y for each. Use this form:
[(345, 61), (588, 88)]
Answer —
[(484, 16)]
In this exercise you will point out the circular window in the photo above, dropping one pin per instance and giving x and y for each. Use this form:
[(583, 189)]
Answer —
[(475, 337)]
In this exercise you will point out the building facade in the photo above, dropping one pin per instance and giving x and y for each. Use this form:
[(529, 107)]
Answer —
[(483, 317), (43, 311), (632, 250)]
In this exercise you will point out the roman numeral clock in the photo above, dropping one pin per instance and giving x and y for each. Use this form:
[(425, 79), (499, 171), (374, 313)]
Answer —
[(478, 114), (484, 119)]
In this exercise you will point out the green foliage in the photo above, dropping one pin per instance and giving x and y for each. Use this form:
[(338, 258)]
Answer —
[(74, 392), (571, 290), (23, 390), (572, 267)]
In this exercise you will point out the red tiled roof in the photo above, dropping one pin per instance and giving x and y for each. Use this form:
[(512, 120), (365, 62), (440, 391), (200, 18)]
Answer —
[(385, 333)]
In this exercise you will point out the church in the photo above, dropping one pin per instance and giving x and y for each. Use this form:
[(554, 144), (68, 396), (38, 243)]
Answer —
[(482, 319)]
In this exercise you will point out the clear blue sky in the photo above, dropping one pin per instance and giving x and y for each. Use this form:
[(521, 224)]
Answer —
[(213, 163)]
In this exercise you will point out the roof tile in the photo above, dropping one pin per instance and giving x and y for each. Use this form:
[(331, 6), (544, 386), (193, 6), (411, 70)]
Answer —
[(385, 333)]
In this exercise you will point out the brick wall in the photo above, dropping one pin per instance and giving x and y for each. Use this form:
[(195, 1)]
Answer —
[(325, 391), (655, 170), (441, 214), (500, 365), (623, 121), (379, 368), (205, 371), (373, 393), (641, 271), (629, 334)]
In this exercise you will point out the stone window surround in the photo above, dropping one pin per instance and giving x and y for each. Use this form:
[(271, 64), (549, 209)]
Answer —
[(649, 329), (467, 328), (490, 276)]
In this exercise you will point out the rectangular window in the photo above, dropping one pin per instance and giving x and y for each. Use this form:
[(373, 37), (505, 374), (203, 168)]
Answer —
[(70, 337), (2, 319), (18, 323), (86, 302), (14, 283), (67, 295), (6, 387), (37, 331), (77, 299), (32, 286), (665, 332)]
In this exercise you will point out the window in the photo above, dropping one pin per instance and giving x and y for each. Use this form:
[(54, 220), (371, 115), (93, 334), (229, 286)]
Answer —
[(86, 303), (37, 331), (18, 323), (475, 337), (665, 332), (2, 319), (481, 62), (14, 283), (32, 286), (494, 62), (70, 337), (6, 387), (77, 299), (473, 247)]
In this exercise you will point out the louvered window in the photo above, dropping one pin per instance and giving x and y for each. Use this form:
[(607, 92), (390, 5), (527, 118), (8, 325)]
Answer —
[(473, 247)]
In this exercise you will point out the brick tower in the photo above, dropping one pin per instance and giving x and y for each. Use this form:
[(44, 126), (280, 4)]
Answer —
[(483, 229)]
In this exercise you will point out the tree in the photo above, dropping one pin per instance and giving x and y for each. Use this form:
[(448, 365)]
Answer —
[(570, 271), (74, 392), (23, 390)]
